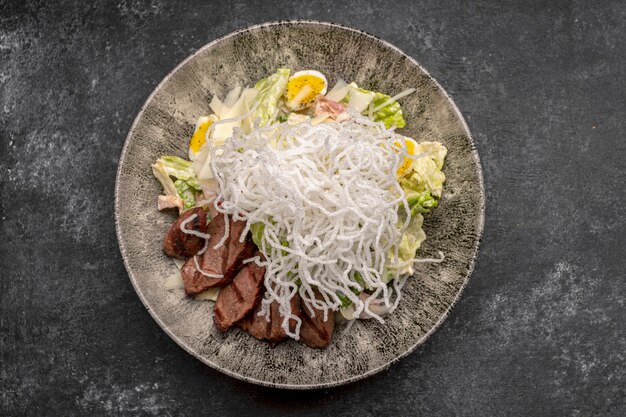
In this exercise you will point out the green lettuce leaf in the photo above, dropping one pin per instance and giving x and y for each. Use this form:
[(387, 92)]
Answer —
[(409, 244), (420, 202), (425, 177), (412, 238), (160, 173), (186, 193), (179, 168), (257, 230), (435, 150), (186, 184), (423, 184), (345, 301), (271, 90), (391, 114), (422, 188)]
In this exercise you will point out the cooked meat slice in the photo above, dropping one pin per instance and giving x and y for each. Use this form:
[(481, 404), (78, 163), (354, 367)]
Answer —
[(237, 251), (218, 261), (276, 331), (214, 260), (196, 282), (315, 332), (239, 297), (255, 325), (272, 331), (182, 245), (193, 280)]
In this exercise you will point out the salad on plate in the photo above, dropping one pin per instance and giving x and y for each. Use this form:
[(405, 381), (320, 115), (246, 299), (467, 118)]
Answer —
[(299, 206)]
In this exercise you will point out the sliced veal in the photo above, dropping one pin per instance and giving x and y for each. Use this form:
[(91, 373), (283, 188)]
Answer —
[(178, 244), (315, 332), (239, 297)]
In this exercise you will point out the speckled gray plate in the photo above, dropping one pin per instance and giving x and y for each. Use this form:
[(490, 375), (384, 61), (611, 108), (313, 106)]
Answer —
[(164, 126)]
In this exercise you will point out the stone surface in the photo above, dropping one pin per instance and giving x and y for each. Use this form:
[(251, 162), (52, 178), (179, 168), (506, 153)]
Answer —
[(538, 331)]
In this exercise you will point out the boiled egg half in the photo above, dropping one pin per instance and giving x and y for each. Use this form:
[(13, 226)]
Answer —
[(199, 135), (303, 88), (406, 163)]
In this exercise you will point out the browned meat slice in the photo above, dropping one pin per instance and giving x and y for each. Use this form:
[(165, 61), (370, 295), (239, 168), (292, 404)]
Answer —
[(255, 325), (272, 331), (239, 297), (195, 282), (183, 245), (225, 260), (315, 332), (214, 260), (237, 251), (277, 333)]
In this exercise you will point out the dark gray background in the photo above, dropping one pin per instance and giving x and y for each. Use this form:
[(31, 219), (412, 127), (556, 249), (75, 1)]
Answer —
[(538, 331)]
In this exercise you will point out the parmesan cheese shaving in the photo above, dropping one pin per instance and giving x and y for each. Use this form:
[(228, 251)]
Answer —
[(174, 281), (298, 98), (217, 106), (178, 262), (339, 91), (319, 118), (210, 294)]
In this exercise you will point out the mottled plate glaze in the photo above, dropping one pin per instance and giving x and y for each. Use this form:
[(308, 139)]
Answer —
[(164, 125)]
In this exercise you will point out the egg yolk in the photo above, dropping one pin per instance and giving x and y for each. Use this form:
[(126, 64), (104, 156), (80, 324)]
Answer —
[(405, 166), (316, 84), (199, 137)]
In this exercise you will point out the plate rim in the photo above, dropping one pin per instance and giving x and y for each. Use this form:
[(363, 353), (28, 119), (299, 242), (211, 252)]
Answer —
[(421, 340)]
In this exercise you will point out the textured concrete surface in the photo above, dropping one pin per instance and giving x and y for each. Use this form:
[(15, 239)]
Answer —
[(540, 329)]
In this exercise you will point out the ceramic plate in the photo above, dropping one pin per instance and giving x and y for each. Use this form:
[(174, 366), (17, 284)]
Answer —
[(163, 127)]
